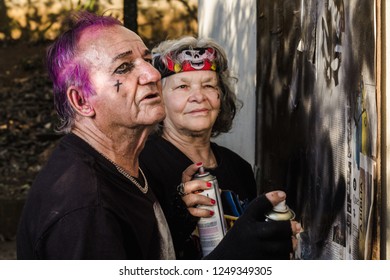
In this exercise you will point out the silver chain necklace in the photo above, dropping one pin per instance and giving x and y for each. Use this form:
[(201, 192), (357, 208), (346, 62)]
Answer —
[(131, 178), (144, 190)]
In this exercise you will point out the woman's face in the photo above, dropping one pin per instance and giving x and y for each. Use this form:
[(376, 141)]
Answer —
[(192, 102)]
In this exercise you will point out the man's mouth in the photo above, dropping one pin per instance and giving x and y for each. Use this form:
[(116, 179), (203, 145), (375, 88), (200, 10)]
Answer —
[(150, 96)]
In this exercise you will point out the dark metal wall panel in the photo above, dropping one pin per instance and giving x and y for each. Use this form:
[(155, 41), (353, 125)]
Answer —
[(317, 112)]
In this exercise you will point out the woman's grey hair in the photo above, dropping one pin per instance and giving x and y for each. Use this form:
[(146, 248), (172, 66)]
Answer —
[(229, 101)]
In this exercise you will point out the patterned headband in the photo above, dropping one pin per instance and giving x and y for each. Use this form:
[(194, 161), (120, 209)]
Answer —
[(186, 60)]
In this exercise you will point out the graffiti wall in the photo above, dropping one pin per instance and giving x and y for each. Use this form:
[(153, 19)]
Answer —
[(318, 113)]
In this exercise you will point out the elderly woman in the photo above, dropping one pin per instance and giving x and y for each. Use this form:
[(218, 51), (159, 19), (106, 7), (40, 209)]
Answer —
[(200, 104)]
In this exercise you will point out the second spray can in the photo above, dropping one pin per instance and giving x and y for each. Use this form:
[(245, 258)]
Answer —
[(280, 212), (212, 229)]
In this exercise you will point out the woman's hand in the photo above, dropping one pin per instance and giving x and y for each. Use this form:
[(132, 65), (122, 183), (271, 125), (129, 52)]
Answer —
[(191, 192)]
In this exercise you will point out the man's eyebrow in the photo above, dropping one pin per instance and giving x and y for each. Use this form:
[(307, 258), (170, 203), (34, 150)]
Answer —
[(122, 55), (147, 52)]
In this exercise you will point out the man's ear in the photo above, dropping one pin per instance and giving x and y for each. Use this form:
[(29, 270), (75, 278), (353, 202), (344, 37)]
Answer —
[(79, 103)]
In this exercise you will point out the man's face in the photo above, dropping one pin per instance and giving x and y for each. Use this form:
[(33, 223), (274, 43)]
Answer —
[(127, 87)]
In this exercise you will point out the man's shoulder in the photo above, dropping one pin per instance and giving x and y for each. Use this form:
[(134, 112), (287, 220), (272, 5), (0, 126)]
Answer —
[(153, 142), (226, 152), (156, 147), (69, 175), (66, 161)]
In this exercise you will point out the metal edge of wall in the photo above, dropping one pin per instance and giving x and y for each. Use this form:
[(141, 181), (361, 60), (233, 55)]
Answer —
[(376, 251), (258, 118), (384, 130)]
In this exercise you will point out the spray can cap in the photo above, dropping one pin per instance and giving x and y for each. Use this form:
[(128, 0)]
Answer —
[(280, 212), (281, 206)]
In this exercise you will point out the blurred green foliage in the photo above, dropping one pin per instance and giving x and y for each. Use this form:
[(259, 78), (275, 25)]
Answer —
[(36, 21)]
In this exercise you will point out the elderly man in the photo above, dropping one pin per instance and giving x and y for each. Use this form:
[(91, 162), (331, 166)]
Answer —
[(91, 200)]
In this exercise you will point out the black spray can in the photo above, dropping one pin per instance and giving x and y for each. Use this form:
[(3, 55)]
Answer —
[(281, 212), (212, 229)]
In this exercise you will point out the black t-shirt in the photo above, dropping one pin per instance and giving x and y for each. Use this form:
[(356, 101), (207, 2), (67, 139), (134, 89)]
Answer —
[(164, 164), (81, 207)]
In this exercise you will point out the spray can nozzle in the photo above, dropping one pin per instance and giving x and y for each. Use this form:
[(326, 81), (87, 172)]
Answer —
[(281, 207), (280, 212)]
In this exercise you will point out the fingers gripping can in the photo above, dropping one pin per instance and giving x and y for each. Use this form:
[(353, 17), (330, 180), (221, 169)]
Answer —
[(212, 229)]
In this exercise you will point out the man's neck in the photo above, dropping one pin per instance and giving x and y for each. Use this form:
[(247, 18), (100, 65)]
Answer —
[(122, 149)]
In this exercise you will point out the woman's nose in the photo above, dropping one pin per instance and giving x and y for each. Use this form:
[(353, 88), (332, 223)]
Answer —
[(197, 94)]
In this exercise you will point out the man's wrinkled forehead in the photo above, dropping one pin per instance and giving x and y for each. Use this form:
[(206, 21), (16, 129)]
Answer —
[(106, 43)]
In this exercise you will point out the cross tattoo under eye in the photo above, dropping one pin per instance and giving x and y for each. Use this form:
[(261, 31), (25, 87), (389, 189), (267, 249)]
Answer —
[(117, 85)]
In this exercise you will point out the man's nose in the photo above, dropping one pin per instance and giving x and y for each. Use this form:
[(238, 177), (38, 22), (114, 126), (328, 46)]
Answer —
[(149, 74)]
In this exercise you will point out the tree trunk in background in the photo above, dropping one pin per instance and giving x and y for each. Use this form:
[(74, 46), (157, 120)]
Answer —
[(4, 21), (130, 11)]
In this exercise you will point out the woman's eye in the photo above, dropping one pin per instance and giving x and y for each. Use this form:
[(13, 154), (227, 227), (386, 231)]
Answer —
[(182, 86), (210, 86), (123, 68)]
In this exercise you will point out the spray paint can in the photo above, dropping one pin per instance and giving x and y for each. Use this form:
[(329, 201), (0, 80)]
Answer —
[(280, 212), (212, 229)]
